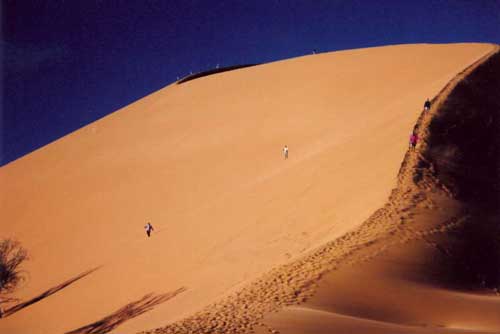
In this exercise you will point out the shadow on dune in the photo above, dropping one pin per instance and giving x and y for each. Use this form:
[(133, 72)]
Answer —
[(47, 293), (464, 150), (129, 311), (211, 72)]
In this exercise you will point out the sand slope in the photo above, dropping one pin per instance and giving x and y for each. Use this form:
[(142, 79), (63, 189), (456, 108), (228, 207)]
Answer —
[(436, 267), (202, 162)]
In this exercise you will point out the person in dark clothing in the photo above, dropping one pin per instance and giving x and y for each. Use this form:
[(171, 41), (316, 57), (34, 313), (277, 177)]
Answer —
[(149, 228), (427, 105)]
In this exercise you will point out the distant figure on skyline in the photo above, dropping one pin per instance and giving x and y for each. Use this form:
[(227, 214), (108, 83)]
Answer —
[(285, 152), (413, 140), (427, 105), (148, 227)]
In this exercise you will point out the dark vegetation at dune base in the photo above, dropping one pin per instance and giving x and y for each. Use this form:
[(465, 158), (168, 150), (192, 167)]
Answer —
[(12, 255), (211, 72), (464, 150)]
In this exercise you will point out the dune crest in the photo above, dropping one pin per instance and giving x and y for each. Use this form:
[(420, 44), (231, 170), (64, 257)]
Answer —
[(202, 162)]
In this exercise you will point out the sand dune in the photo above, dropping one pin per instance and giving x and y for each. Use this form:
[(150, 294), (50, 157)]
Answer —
[(202, 162), (436, 269)]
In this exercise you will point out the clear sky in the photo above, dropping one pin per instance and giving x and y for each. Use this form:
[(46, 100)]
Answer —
[(68, 63)]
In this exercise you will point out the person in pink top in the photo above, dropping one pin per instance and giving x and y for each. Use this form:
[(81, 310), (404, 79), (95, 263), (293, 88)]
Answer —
[(413, 140)]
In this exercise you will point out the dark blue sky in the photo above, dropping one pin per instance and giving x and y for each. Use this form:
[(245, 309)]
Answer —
[(68, 63)]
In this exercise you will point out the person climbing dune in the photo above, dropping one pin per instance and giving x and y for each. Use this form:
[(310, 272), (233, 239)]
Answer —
[(413, 140), (427, 105), (149, 228), (285, 152)]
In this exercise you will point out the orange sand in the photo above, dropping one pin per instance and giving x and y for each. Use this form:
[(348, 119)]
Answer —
[(202, 162)]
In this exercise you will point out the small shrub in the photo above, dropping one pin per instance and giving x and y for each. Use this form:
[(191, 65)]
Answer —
[(12, 255)]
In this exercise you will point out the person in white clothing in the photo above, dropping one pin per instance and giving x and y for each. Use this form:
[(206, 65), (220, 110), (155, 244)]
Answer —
[(285, 152)]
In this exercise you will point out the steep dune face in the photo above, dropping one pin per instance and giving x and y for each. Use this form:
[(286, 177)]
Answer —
[(436, 269), (202, 162), (464, 150)]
